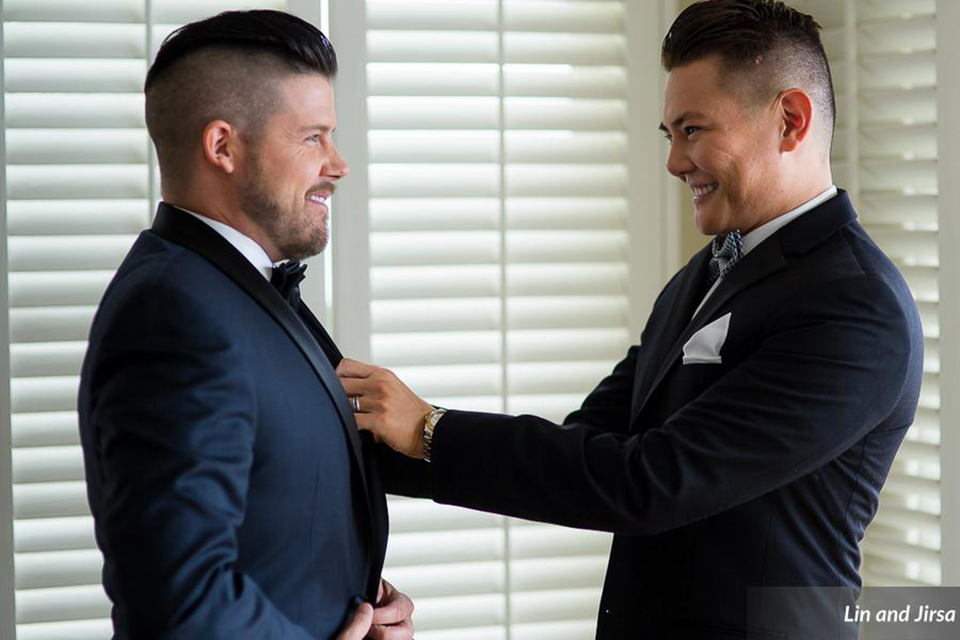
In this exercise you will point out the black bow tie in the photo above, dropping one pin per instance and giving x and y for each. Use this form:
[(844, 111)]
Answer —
[(287, 278)]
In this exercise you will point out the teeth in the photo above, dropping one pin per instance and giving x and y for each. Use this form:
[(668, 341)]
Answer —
[(318, 199), (702, 191)]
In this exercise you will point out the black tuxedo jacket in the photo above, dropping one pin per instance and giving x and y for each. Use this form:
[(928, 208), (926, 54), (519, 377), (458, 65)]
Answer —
[(231, 493), (760, 468)]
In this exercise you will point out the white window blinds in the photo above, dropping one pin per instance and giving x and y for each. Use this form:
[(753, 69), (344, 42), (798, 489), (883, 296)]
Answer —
[(499, 271), (883, 56), (80, 185)]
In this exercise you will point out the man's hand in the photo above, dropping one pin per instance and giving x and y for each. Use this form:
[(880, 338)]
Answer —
[(359, 624), (388, 409), (392, 616), (390, 619)]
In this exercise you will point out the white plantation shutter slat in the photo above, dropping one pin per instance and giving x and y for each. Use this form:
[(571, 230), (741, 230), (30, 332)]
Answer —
[(435, 581), (55, 217), (47, 464), (50, 500), (70, 630), (53, 569), (73, 182), (51, 393), (432, 79), (51, 428), (427, 214), (178, 12), (49, 324), (440, 281), (897, 105), (59, 146), (73, 40), (74, 76), (93, 12), (73, 111), (62, 604), (77, 191), (53, 534), (46, 359), (57, 289)]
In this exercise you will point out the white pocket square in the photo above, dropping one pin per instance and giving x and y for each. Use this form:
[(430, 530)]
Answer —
[(704, 346)]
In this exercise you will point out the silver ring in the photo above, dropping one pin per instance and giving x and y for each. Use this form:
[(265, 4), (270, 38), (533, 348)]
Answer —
[(356, 403)]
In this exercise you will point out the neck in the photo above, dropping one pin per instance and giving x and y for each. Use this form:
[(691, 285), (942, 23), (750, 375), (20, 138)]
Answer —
[(790, 196), (221, 211)]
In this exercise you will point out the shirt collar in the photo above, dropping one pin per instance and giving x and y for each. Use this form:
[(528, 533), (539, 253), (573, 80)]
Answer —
[(764, 231), (248, 247)]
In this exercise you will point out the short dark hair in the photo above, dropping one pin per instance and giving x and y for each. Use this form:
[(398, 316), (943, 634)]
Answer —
[(774, 46), (226, 67)]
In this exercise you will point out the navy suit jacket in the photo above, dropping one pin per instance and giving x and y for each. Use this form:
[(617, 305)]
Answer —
[(762, 470), (232, 495)]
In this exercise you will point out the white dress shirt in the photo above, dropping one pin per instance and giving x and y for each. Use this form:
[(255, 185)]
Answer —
[(244, 244), (753, 239)]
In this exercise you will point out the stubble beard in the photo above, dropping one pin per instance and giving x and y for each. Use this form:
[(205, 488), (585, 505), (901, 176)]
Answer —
[(296, 234)]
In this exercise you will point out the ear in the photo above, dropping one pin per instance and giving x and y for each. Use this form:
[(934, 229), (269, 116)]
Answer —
[(221, 142), (796, 118)]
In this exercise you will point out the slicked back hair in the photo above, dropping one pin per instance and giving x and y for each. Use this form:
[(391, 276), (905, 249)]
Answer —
[(763, 47), (227, 67)]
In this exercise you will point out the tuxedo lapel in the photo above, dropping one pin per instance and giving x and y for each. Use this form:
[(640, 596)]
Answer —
[(755, 266), (183, 229), (329, 347), (688, 296)]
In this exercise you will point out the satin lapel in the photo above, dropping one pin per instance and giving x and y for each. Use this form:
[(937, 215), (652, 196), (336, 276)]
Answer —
[(688, 296), (755, 266), (329, 347), (380, 518), (183, 229)]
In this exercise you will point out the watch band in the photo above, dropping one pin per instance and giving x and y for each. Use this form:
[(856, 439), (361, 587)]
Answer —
[(429, 423)]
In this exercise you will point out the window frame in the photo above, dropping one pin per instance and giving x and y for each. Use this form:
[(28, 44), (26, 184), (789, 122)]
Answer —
[(8, 617), (948, 130)]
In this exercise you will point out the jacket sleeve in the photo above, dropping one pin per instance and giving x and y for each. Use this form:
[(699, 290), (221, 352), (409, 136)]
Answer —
[(829, 368), (606, 408), (403, 475), (174, 416)]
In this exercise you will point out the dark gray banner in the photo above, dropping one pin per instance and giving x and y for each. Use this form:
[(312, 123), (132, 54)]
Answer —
[(829, 613)]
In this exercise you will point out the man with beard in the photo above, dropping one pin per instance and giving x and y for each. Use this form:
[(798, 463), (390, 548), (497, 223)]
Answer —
[(232, 495)]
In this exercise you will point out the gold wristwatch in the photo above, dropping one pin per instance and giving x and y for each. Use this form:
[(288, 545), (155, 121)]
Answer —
[(429, 423)]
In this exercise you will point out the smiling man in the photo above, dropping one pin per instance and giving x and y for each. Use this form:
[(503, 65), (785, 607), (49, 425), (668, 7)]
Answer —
[(232, 494), (741, 446)]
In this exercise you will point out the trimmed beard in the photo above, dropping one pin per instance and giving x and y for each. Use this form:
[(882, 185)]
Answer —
[(294, 233)]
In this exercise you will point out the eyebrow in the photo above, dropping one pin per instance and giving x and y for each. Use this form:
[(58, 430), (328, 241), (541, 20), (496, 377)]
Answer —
[(686, 115), (318, 127)]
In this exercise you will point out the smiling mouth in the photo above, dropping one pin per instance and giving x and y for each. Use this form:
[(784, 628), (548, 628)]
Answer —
[(703, 190), (318, 198)]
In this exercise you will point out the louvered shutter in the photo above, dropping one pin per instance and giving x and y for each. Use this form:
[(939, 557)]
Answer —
[(80, 184), (499, 237), (883, 56)]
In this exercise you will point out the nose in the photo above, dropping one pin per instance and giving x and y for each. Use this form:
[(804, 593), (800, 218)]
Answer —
[(678, 162), (336, 167)]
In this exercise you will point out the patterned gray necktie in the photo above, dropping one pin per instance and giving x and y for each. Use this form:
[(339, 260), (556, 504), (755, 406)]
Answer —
[(726, 251)]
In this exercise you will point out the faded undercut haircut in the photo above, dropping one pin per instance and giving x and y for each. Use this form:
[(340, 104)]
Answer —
[(763, 47), (227, 67)]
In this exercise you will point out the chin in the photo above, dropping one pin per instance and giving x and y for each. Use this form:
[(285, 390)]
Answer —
[(706, 225), (712, 223)]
